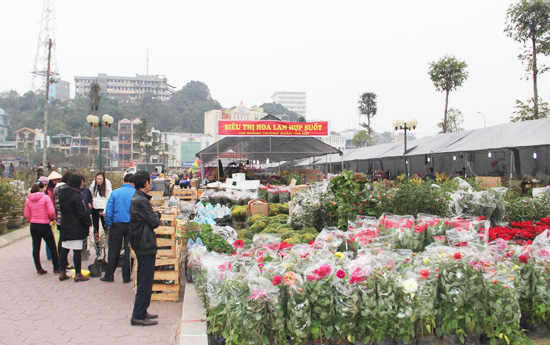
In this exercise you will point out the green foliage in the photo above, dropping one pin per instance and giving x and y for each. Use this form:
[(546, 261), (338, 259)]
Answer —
[(447, 74), (526, 111), (361, 139), (416, 196), (184, 111), (455, 119), (213, 242), (351, 197), (528, 209), (8, 198), (368, 107), (278, 109), (528, 22)]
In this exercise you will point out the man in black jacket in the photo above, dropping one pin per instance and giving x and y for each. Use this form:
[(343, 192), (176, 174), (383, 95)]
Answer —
[(143, 221)]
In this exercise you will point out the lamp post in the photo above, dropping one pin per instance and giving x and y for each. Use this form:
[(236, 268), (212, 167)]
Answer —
[(146, 146), (479, 112), (400, 124), (106, 120)]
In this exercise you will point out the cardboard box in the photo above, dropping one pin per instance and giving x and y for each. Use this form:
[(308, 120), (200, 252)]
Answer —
[(258, 206), (312, 178), (239, 177), (195, 183)]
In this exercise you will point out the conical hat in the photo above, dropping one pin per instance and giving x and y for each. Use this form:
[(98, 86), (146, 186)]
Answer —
[(54, 176)]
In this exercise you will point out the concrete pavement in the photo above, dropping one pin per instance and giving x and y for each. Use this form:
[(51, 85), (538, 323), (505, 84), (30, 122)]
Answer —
[(42, 310)]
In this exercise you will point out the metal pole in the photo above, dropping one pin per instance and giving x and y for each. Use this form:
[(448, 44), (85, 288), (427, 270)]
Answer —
[(47, 98), (100, 165), (405, 152)]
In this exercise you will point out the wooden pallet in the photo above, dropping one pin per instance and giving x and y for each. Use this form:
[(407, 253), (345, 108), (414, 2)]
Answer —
[(164, 292)]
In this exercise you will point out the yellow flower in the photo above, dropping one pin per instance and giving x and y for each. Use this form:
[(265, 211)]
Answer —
[(426, 261), (339, 255)]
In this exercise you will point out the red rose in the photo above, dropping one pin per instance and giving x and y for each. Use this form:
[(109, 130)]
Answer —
[(457, 256), (340, 274), (277, 280), (424, 274), (238, 244)]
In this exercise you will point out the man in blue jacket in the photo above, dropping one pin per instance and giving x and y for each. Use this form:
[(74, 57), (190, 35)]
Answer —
[(117, 216)]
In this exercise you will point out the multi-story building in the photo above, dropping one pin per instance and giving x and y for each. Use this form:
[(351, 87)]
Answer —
[(61, 142), (80, 145), (335, 140), (60, 90), (182, 147), (27, 139), (211, 117), (128, 143), (4, 125), (126, 88), (295, 101)]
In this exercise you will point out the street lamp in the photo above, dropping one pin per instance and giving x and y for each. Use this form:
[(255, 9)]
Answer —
[(400, 124), (106, 120), (479, 112), (146, 146)]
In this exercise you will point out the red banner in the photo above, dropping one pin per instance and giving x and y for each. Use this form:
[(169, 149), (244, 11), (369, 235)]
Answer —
[(231, 128)]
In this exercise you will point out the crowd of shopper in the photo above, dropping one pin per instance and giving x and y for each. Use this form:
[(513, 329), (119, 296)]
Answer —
[(64, 206)]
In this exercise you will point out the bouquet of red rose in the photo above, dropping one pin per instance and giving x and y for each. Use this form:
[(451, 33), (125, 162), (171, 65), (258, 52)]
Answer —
[(319, 277)]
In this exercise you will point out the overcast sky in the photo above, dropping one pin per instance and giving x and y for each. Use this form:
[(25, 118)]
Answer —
[(247, 50)]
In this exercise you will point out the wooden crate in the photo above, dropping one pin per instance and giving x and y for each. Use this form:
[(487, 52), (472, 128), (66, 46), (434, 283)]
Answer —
[(185, 194), (157, 198), (169, 253)]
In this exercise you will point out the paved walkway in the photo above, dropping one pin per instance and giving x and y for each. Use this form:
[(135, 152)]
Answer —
[(42, 310)]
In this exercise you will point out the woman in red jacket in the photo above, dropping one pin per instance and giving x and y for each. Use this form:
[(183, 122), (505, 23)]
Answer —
[(39, 212)]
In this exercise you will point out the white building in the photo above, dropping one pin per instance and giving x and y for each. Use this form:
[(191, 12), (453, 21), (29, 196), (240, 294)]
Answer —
[(335, 140), (182, 147), (126, 88), (295, 101), (211, 117)]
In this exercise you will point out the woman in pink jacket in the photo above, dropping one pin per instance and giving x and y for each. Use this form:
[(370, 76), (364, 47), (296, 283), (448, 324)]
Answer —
[(39, 211)]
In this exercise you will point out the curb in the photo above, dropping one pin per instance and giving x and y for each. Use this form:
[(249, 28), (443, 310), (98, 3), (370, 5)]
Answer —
[(192, 328), (14, 236)]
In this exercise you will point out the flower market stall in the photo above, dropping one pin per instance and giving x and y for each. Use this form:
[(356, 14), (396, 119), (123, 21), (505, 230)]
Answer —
[(336, 266)]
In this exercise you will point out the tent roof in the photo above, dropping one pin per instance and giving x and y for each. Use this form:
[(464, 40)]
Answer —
[(272, 147), (508, 135)]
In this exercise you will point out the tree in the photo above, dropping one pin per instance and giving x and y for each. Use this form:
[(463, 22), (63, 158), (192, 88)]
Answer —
[(455, 119), (526, 111), (528, 22), (361, 139), (278, 109), (95, 98), (448, 74), (367, 106)]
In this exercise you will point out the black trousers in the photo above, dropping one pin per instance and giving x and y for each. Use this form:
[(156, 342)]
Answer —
[(145, 276), (119, 235), (77, 259), (95, 222), (39, 232)]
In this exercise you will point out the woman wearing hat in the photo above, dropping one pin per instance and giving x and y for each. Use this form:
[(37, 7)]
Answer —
[(52, 180)]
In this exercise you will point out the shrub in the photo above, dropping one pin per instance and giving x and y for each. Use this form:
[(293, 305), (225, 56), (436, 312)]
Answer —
[(528, 209), (414, 196), (9, 198)]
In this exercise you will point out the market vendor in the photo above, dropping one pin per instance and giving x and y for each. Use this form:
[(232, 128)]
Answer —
[(185, 181)]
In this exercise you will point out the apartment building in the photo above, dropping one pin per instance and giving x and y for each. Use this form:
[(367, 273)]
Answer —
[(126, 88), (295, 101)]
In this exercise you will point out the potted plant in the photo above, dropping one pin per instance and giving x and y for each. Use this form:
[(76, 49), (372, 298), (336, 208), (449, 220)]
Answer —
[(14, 221), (9, 199), (3, 226)]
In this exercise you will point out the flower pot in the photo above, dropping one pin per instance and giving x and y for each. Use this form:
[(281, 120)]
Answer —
[(472, 339), (451, 339), (19, 211), (13, 222), (425, 341), (3, 226), (537, 332)]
